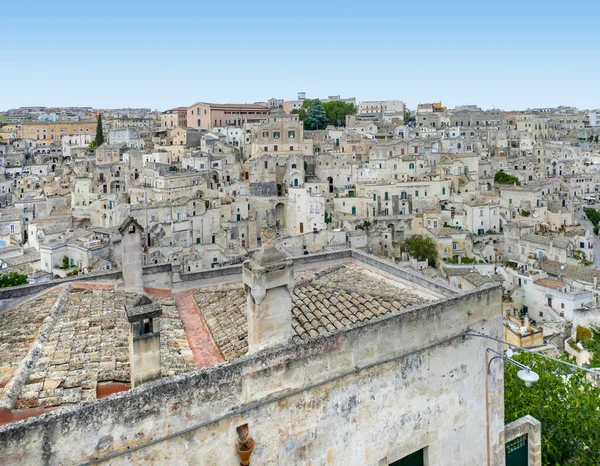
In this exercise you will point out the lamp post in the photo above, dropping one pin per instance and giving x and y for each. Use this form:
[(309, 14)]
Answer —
[(528, 376)]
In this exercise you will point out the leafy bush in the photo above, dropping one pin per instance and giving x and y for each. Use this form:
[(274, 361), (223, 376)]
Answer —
[(593, 216), (12, 279), (421, 248), (583, 333), (592, 344), (504, 178), (464, 260), (566, 404), (525, 213)]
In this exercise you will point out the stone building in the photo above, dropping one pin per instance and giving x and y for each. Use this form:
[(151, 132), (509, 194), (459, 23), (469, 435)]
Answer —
[(279, 136), (174, 118), (205, 116), (45, 133), (335, 350)]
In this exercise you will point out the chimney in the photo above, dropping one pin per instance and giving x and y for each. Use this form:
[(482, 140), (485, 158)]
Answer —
[(269, 285), (144, 338), (132, 255)]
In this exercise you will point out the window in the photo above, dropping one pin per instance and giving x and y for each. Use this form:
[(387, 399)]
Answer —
[(291, 134), (266, 164), (276, 134), (12, 229), (265, 134), (293, 165), (275, 148), (454, 246), (443, 190)]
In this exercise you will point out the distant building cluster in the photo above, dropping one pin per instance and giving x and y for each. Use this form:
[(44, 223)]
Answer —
[(230, 238)]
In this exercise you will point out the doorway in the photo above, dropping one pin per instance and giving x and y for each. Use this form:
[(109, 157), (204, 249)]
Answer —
[(414, 459)]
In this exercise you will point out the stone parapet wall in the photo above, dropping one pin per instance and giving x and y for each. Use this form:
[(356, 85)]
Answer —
[(380, 389)]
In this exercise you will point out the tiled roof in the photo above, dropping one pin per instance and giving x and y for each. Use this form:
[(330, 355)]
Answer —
[(19, 328), (323, 301), (536, 239), (88, 345)]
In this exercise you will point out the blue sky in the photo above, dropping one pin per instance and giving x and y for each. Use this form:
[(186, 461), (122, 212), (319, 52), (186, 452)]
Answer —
[(511, 55)]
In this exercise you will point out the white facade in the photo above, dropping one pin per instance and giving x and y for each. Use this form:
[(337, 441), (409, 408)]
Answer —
[(128, 136), (233, 135), (482, 218), (548, 299), (381, 106), (306, 211), (73, 141)]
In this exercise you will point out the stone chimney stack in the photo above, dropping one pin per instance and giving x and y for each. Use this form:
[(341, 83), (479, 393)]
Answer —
[(269, 284), (132, 255), (144, 338)]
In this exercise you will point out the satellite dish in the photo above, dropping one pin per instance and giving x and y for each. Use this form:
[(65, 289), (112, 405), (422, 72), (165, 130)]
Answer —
[(509, 353), (536, 214)]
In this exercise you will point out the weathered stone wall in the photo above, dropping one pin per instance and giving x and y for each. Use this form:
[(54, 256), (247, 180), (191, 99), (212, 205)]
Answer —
[(379, 390), (132, 260), (144, 354), (26, 290), (264, 189)]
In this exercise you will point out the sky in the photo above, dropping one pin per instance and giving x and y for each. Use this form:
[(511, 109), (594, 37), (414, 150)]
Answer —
[(503, 54)]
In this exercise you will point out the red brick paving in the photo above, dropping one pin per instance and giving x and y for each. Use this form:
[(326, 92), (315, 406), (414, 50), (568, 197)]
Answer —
[(158, 292), (8, 416), (206, 352), (93, 286)]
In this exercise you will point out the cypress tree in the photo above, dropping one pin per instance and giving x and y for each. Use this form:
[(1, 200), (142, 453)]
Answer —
[(99, 134)]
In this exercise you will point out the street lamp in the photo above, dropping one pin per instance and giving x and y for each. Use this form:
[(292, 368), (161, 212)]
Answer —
[(528, 376)]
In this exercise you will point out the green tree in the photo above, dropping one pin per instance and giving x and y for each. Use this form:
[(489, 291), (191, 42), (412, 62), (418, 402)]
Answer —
[(12, 279), (566, 404), (92, 147), (592, 214), (301, 112), (99, 134), (421, 248), (65, 262), (336, 112), (504, 178), (315, 118), (596, 139)]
